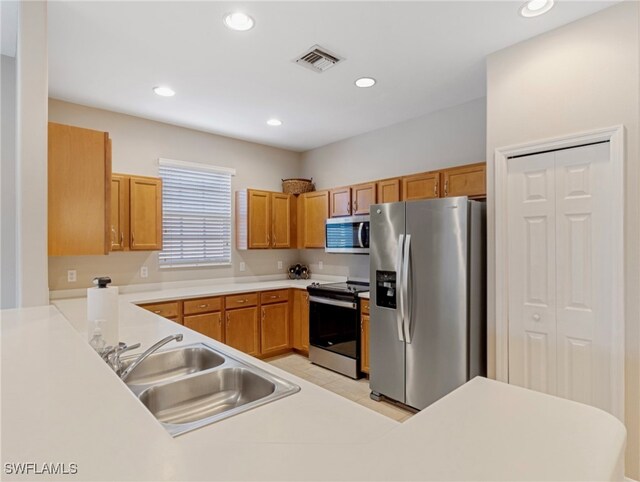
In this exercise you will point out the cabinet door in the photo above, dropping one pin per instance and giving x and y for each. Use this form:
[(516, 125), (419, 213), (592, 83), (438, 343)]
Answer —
[(364, 343), (315, 207), (119, 231), (259, 219), (300, 320), (364, 195), (340, 201), (389, 191), (421, 186), (281, 220), (79, 191), (145, 213), (241, 330), (466, 181), (209, 324), (274, 328)]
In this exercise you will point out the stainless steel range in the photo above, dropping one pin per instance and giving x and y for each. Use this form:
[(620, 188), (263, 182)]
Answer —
[(334, 326)]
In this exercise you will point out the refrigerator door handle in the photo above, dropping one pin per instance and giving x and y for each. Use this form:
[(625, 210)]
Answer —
[(406, 314), (400, 308)]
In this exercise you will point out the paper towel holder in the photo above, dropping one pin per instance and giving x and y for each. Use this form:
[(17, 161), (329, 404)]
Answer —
[(102, 281)]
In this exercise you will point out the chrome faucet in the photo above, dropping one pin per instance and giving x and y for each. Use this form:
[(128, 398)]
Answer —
[(125, 374)]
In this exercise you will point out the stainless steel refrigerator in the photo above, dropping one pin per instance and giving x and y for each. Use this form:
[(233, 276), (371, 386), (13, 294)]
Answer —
[(428, 298)]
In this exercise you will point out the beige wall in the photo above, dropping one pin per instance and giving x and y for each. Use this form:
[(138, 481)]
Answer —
[(449, 137), (579, 77), (137, 145)]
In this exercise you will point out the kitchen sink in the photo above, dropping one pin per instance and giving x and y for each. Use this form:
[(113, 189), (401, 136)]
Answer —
[(196, 385), (172, 364)]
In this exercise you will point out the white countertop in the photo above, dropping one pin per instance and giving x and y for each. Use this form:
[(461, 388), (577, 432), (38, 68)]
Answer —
[(62, 403)]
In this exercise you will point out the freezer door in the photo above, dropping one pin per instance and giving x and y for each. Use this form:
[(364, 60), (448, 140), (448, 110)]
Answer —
[(387, 356), (436, 355)]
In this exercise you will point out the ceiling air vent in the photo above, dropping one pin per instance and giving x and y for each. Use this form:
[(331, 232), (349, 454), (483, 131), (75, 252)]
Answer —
[(318, 59)]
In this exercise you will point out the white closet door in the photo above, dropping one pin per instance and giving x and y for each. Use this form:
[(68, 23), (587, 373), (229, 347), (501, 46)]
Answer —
[(531, 275), (584, 247)]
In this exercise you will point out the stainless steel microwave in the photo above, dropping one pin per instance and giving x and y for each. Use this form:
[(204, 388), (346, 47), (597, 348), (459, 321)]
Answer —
[(347, 235)]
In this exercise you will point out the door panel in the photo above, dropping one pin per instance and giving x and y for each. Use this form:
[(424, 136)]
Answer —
[(531, 254), (242, 329), (364, 195), (387, 351), (583, 183), (146, 213), (437, 288), (421, 186), (315, 210), (259, 219), (119, 212), (209, 324), (389, 191), (340, 201), (281, 220)]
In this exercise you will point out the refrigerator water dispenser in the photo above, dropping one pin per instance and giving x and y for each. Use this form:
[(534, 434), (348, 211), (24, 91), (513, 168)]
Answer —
[(386, 289)]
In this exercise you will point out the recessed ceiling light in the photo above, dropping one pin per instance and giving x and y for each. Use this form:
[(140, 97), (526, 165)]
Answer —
[(164, 91), (274, 122), (365, 82), (533, 8), (238, 21)]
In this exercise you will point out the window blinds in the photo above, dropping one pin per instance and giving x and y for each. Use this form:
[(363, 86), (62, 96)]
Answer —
[(196, 214)]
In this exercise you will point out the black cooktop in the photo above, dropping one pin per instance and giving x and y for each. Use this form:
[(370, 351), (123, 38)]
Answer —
[(350, 287)]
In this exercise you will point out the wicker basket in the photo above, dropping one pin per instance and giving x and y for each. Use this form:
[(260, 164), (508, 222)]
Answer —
[(297, 186)]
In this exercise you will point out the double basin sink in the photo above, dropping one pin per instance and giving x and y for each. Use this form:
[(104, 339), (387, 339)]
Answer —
[(195, 385)]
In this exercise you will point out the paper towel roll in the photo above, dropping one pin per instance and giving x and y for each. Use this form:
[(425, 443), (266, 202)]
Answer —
[(102, 304)]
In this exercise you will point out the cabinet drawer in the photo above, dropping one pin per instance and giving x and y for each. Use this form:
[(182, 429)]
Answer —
[(364, 306), (274, 296), (241, 301), (166, 310), (202, 305)]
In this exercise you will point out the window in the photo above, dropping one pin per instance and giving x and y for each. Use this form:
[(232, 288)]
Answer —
[(196, 214)]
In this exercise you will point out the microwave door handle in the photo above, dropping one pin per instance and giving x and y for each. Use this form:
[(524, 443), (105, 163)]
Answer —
[(400, 308), (405, 289), (360, 228)]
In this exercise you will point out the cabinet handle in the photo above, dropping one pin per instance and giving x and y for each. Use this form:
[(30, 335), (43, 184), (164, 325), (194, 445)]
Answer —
[(114, 235), (220, 320), (241, 301), (133, 238), (274, 239), (202, 306), (273, 297), (446, 188), (157, 312), (355, 206), (262, 314), (228, 319), (121, 238)]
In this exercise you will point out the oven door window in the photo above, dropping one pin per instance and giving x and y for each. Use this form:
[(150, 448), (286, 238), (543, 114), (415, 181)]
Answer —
[(334, 328)]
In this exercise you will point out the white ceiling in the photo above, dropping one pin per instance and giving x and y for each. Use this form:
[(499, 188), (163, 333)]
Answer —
[(425, 55)]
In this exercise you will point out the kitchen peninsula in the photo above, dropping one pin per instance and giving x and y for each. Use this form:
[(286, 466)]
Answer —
[(484, 430)]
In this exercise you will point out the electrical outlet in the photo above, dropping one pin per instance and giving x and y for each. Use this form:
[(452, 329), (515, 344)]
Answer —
[(279, 264), (144, 272), (320, 265), (72, 276), (243, 266)]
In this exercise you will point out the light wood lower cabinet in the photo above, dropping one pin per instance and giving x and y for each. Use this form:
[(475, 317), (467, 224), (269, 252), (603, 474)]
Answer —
[(364, 341), (300, 315), (209, 324), (166, 309), (242, 330), (274, 329)]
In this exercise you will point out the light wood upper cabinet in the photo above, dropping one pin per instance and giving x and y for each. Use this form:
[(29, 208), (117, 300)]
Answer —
[(421, 186), (274, 328), (340, 201), (145, 196), (314, 211), (389, 191), (363, 195), (470, 180), (281, 216), (300, 322), (119, 231), (264, 219), (79, 191), (259, 212), (242, 330)]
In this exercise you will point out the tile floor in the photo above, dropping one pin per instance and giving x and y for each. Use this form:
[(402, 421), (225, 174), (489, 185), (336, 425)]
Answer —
[(356, 390)]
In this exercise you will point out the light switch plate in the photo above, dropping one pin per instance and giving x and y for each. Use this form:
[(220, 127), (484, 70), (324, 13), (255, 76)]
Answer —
[(279, 264), (72, 276), (144, 272), (320, 265), (243, 266)]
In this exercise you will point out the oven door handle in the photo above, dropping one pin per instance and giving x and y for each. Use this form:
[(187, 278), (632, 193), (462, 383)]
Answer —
[(328, 301)]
